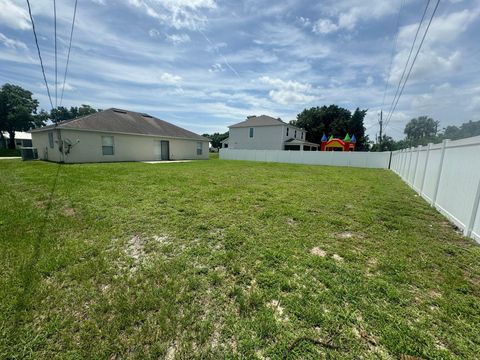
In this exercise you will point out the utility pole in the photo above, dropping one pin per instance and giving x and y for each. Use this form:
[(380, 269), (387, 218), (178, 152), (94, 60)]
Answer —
[(381, 129)]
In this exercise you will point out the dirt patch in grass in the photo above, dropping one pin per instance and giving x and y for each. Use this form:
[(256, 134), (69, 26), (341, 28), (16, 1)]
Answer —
[(337, 258), (279, 311), (68, 211), (318, 252), (135, 248)]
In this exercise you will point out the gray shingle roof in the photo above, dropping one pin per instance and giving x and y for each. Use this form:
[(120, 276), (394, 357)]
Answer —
[(300, 142), (127, 122), (263, 120)]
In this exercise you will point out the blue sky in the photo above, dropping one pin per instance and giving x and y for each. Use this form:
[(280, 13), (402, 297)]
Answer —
[(206, 64)]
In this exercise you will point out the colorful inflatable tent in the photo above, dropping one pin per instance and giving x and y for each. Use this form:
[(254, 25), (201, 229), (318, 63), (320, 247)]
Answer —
[(335, 144)]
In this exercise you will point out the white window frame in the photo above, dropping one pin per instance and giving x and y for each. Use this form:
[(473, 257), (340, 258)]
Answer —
[(108, 146), (251, 132), (199, 148), (287, 130), (295, 136)]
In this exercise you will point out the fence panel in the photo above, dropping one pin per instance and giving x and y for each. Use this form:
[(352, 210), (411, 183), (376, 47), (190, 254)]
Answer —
[(353, 159), (448, 176)]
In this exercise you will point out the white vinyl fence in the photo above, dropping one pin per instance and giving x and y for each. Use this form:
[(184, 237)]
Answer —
[(334, 158), (447, 175)]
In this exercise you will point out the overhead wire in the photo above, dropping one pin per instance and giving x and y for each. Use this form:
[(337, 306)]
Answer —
[(56, 61), (387, 82), (68, 53), (409, 57), (39, 53), (414, 60)]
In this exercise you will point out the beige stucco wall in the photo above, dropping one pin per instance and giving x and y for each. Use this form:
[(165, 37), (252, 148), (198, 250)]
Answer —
[(88, 147)]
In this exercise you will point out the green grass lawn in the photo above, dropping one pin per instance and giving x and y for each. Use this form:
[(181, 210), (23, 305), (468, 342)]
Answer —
[(225, 259)]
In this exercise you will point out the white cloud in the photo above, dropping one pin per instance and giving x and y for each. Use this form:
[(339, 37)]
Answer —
[(170, 78), (216, 68), (305, 22), (13, 16), (349, 13), (177, 39), (438, 56), (11, 43), (179, 14), (288, 92), (154, 33), (324, 26), (369, 81)]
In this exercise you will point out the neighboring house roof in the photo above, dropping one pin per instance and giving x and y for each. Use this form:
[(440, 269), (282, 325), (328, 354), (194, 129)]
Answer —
[(262, 120), (224, 140), (19, 135), (299, 142), (126, 122)]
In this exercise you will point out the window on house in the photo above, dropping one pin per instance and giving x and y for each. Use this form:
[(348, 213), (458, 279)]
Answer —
[(287, 130), (107, 145), (250, 132), (295, 134), (302, 135), (199, 148), (50, 140)]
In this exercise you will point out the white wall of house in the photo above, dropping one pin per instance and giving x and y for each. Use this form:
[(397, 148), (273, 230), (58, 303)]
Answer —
[(293, 133), (264, 138), (87, 147)]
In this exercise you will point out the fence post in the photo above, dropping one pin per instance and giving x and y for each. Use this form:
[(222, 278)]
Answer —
[(407, 175), (439, 173), (476, 202), (419, 147), (425, 168)]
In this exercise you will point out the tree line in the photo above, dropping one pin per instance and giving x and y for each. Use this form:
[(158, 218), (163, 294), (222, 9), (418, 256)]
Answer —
[(423, 130), (19, 112)]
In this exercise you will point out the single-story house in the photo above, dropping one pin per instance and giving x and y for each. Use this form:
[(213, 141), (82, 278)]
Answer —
[(267, 133), (117, 135), (22, 139), (224, 143)]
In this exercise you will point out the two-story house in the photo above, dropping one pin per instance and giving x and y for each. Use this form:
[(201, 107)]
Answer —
[(267, 133)]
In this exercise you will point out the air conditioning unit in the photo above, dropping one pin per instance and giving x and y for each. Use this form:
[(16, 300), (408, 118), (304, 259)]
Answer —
[(29, 153)]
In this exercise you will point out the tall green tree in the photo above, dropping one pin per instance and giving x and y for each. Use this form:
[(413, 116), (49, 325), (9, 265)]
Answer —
[(332, 120), (62, 113), (356, 127), (421, 130), (216, 139), (17, 110)]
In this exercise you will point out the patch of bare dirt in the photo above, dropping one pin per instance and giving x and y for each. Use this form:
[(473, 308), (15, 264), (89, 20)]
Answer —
[(345, 235), (279, 311), (318, 252), (69, 211), (291, 222), (337, 257)]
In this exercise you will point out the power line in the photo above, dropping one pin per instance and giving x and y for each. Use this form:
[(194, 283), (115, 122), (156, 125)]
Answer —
[(414, 59), (69, 48), (56, 63), (409, 57), (393, 52), (39, 53)]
